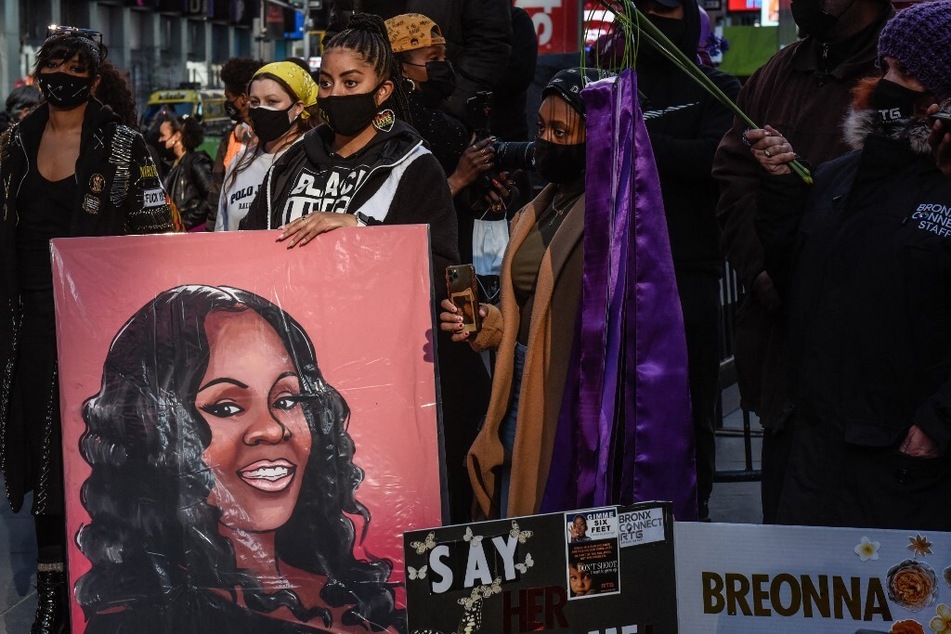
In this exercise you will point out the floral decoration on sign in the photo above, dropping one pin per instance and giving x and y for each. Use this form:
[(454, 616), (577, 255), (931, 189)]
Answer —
[(919, 545), (942, 620), (866, 549), (912, 585), (907, 626)]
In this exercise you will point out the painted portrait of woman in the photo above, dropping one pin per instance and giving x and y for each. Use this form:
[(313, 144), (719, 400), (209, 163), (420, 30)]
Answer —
[(222, 492)]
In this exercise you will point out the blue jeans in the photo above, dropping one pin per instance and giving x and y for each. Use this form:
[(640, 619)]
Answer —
[(507, 430)]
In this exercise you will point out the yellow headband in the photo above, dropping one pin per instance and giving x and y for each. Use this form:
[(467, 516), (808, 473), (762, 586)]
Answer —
[(298, 79)]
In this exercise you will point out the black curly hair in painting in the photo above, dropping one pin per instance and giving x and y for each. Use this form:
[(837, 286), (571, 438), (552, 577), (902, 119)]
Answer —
[(157, 557)]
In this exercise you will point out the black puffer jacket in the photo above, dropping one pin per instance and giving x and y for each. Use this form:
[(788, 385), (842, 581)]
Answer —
[(685, 124), (187, 184), (864, 261)]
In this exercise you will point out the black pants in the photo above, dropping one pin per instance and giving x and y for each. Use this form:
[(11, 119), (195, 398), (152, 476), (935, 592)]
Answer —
[(465, 387), (830, 482), (774, 462), (700, 301)]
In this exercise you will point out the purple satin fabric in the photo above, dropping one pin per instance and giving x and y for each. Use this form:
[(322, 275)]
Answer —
[(626, 407)]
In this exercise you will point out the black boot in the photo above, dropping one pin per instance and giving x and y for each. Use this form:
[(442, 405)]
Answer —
[(51, 606)]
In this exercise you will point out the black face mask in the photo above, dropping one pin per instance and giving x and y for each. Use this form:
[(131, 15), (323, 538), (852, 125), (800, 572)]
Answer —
[(232, 110), (269, 124), (440, 82), (673, 28), (349, 115), (894, 102), (811, 20), (166, 153), (558, 163), (64, 90)]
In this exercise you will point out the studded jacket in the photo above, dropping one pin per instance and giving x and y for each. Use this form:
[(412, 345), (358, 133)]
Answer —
[(118, 193)]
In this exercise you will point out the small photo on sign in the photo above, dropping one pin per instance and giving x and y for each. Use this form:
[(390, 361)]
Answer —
[(592, 553)]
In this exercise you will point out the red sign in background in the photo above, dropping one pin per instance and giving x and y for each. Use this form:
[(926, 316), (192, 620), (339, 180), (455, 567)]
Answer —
[(556, 24)]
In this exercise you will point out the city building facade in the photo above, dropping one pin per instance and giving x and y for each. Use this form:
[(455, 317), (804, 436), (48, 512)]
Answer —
[(159, 43)]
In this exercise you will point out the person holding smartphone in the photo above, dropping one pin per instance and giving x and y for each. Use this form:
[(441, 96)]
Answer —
[(534, 325)]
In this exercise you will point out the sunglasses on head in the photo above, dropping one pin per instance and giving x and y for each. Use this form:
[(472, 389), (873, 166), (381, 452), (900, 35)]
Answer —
[(55, 30)]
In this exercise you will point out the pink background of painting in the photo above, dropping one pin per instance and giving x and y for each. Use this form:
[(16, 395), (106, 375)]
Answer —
[(363, 297)]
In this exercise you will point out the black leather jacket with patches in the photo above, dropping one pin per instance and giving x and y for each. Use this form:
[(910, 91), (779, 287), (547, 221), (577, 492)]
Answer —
[(118, 193)]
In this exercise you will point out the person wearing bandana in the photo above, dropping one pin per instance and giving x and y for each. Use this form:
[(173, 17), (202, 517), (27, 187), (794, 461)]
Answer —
[(70, 168), (805, 91), (420, 49), (862, 260), (430, 78), (533, 327), (282, 100)]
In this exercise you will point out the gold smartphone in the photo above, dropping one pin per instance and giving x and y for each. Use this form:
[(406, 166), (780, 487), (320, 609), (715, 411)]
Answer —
[(464, 293)]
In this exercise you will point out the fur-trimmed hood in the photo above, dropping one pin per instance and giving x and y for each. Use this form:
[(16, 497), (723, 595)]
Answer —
[(862, 119)]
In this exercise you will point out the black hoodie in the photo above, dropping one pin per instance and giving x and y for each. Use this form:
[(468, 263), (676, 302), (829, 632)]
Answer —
[(686, 124), (393, 180)]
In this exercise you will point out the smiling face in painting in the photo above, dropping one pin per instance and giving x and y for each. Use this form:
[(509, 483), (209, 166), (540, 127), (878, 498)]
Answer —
[(260, 439)]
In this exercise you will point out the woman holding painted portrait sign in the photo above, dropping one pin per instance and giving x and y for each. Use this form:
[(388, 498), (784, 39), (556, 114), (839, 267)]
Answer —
[(863, 258), (222, 485), (366, 166), (70, 168)]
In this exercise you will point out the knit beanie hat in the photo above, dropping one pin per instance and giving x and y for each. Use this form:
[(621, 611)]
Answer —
[(919, 37)]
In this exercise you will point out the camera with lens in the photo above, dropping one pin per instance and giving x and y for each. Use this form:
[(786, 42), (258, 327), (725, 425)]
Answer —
[(514, 155), (509, 155)]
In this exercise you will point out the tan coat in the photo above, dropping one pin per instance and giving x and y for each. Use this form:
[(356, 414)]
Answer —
[(554, 315)]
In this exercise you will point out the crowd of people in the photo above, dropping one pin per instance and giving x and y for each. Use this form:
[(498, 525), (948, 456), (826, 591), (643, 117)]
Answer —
[(841, 342)]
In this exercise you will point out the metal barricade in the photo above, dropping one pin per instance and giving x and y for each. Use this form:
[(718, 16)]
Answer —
[(732, 294)]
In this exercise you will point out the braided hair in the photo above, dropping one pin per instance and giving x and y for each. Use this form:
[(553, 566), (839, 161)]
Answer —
[(366, 35)]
